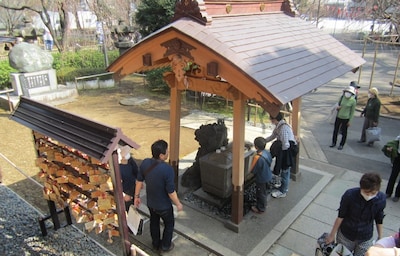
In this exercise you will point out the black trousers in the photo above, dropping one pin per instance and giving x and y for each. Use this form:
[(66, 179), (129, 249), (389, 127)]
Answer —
[(393, 177), (342, 125)]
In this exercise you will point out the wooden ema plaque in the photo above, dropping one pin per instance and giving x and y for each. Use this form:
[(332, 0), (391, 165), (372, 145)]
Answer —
[(83, 183)]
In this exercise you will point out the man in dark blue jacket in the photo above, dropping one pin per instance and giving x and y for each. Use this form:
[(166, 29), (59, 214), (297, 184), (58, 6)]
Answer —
[(359, 209)]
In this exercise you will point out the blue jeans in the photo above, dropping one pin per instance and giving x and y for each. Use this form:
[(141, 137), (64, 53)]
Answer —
[(167, 216), (261, 195), (48, 44), (285, 175)]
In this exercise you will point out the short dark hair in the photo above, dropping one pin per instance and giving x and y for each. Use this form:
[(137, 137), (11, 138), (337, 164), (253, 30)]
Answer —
[(278, 117), (159, 147), (260, 143), (371, 181)]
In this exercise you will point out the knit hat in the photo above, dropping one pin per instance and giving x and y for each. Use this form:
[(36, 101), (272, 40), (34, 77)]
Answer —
[(350, 89), (374, 91)]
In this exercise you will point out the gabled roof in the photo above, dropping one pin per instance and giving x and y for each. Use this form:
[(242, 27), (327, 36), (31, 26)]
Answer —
[(92, 138), (285, 55), (279, 57)]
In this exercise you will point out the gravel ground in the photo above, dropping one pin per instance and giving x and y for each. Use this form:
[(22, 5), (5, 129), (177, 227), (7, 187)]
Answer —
[(20, 232)]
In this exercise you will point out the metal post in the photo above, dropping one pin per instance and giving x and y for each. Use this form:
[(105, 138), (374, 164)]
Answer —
[(43, 226), (53, 214), (104, 44), (67, 214)]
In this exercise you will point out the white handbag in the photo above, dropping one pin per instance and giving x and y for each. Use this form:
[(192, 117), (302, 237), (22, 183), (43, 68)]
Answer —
[(332, 115)]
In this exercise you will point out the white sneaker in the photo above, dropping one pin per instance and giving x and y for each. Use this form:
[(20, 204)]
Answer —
[(278, 194), (276, 181)]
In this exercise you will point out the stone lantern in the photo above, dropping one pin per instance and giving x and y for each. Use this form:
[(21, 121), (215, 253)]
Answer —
[(123, 36), (28, 33)]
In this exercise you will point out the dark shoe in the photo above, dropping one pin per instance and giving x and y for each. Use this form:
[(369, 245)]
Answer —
[(388, 196), (170, 248), (156, 248), (395, 199), (360, 141), (332, 145), (340, 147), (255, 210)]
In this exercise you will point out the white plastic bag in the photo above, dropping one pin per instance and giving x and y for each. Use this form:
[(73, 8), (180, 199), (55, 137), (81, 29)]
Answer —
[(332, 115), (373, 134), (135, 221)]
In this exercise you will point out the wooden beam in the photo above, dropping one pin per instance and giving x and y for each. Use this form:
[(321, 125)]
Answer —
[(199, 84), (118, 195)]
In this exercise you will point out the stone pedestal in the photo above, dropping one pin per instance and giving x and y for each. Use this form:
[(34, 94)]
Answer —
[(40, 86), (34, 82), (216, 172)]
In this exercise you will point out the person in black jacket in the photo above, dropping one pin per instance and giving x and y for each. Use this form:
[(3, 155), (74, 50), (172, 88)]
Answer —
[(371, 113), (129, 170)]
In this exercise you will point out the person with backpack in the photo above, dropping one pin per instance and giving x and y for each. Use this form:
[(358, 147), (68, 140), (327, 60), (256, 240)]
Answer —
[(260, 167)]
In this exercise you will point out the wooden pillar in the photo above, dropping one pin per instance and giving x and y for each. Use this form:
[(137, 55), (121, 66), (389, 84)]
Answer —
[(239, 113), (174, 131), (296, 117), (118, 195)]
